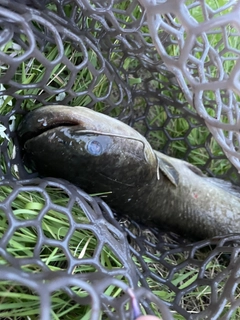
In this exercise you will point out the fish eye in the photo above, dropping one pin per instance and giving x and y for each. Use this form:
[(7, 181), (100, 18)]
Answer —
[(94, 147)]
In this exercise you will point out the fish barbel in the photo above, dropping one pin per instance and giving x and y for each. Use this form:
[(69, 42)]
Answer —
[(102, 154)]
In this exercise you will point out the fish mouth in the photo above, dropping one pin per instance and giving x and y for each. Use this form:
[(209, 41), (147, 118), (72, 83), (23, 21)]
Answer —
[(26, 136), (47, 118), (84, 121), (28, 130)]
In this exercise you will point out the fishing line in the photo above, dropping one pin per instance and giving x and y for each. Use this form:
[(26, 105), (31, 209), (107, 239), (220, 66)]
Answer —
[(126, 137), (117, 136)]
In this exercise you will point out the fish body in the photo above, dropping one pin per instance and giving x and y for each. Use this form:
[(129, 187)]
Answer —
[(102, 154)]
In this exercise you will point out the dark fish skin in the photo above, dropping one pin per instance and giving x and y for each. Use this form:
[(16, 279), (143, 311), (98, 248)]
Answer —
[(102, 154)]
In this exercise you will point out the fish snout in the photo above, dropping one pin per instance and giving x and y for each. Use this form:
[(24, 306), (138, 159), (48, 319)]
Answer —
[(44, 119)]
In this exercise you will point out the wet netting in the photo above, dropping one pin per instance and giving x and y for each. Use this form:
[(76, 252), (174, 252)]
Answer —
[(169, 69)]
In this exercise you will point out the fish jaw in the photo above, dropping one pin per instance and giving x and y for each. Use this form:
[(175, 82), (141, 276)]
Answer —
[(56, 140)]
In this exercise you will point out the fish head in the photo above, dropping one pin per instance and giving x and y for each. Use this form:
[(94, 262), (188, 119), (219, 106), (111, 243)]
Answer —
[(87, 148)]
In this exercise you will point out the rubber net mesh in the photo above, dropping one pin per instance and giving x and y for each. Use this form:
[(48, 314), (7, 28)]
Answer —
[(63, 252)]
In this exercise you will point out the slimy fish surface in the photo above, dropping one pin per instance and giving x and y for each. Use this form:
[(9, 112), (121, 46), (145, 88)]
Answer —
[(101, 154)]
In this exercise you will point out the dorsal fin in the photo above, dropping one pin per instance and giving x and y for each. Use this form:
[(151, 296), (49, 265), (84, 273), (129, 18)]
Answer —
[(195, 169)]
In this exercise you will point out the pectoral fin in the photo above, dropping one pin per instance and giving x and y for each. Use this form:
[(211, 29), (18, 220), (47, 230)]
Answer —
[(169, 170), (172, 168)]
